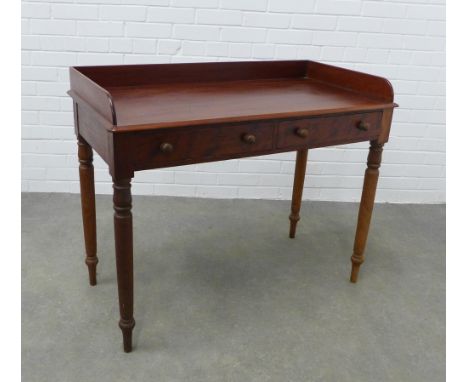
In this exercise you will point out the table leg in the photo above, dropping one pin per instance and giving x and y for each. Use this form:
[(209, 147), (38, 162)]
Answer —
[(299, 175), (123, 232), (365, 209), (88, 206)]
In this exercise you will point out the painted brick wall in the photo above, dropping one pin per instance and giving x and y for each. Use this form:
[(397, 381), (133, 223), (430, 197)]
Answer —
[(401, 40)]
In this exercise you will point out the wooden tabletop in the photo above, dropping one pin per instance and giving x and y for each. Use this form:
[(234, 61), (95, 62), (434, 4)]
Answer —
[(140, 97), (214, 102)]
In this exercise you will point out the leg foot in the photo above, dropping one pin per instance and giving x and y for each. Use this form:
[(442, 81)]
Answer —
[(365, 208), (292, 225), (356, 264), (92, 262), (127, 329), (299, 175)]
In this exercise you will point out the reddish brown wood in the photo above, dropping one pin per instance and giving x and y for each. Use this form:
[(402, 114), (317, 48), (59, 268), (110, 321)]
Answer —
[(141, 117), (88, 206), (195, 94), (124, 257), (365, 209), (231, 101), (299, 176), (93, 128), (365, 84), (179, 99), (385, 125), (198, 144), (97, 96), (158, 74), (326, 131)]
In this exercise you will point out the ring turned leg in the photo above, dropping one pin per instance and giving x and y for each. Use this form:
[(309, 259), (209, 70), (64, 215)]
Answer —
[(88, 206), (366, 206), (124, 257), (299, 175)]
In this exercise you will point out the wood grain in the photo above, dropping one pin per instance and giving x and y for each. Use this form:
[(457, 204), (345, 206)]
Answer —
[(365, 208), (171, 95), (326, 131), (361, 83), (88, 206), (123, 227), (140, 117), (172, 105), (299, 176), (157, 74)]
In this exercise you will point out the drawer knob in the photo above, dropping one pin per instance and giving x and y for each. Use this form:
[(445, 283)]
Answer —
[(302, 132), (364, 126), (166, 147), (249, 138)]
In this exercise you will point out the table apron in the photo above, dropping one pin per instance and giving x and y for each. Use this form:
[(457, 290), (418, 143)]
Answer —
[(175, 147)]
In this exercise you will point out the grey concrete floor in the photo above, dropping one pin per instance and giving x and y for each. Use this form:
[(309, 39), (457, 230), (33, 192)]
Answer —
[(222, 293)]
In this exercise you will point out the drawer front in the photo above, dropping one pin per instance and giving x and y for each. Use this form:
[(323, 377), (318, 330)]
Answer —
[(166, 148), (325, 131)]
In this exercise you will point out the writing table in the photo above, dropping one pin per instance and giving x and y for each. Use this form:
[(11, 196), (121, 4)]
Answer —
[(139, 117)]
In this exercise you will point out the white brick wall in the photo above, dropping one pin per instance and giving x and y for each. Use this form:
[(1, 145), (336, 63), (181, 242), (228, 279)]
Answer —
[(403, 40)]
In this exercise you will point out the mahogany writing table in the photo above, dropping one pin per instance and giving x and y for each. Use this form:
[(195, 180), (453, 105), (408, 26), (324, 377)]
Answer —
[(139, 117)]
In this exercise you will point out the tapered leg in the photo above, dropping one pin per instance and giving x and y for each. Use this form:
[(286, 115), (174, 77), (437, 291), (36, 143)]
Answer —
[(123, 232), (88, 206), (366, 206), (299, 175)]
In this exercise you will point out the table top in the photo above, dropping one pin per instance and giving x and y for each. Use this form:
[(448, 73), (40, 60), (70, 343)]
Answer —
[(215, 102), (135, 97)]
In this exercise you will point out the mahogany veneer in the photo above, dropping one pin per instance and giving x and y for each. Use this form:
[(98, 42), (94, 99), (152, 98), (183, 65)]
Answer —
[(139, 117)]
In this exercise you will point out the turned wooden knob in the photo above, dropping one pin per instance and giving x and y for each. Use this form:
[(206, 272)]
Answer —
[(364, 126), (166, 147), (249, 138), (302, 132)]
